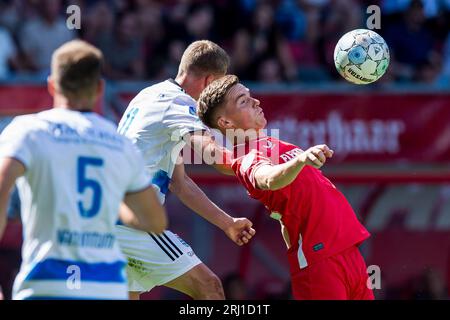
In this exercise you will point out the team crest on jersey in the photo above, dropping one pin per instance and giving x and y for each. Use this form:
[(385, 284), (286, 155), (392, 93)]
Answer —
[(192, 110), (269, 145)]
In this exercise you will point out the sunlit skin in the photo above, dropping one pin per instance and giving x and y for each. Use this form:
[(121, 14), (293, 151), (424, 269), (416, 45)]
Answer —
[(241, 111)]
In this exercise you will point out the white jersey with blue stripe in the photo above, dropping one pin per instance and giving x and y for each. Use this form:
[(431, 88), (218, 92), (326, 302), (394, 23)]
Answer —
[(156, 121), (78, 170)]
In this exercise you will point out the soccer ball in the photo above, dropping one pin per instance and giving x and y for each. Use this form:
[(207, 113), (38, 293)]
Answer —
[(361, 56)]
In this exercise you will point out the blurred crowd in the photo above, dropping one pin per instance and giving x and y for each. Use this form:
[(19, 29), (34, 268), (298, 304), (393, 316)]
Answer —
[(269, 41)]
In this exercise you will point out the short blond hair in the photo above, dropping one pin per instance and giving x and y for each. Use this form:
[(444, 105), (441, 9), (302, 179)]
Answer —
[(213, 97), (76, 69), (204, 57)]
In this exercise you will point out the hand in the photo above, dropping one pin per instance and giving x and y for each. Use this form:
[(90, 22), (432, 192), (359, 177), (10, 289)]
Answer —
[(316, 156), (240, 231)]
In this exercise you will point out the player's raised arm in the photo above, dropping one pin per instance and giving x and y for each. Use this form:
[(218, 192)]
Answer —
[(237, 229), (274, 177), (10, 170), (142, 210)]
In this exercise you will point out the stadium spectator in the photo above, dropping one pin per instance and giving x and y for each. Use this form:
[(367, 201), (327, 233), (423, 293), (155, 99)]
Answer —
[(337, 18), (411, 44), (97, 22), (292, 19), (42, 35), (156, 39), (7, 53), (171, 61), (268, 42), (199, 23), (124, 50), (300, 35), (269, 72), (304, 48), (445, 74), (11, 12), (241, 46)]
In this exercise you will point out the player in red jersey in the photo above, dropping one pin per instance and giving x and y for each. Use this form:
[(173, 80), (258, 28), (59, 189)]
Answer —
[(320, 229)]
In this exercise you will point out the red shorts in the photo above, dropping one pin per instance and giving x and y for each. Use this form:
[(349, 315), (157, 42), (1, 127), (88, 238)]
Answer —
[(340, 277)]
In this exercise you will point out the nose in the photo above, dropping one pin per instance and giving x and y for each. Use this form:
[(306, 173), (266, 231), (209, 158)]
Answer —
[(256, 103)]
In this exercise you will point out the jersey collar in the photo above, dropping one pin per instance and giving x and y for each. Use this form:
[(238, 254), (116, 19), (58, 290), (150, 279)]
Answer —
[(176, 83)]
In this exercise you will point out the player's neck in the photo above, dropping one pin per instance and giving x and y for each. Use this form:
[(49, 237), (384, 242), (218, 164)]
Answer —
[(189, 85), (60, 101)]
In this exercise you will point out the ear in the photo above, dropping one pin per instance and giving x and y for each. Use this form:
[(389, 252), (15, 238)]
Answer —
[(223, 123), (100, 88), (208, 79), (50, 86)]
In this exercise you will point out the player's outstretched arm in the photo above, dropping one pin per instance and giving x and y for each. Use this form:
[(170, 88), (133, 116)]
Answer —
[(204, 145), (142, 210), (10, 170), (274, 177), (237, 229)]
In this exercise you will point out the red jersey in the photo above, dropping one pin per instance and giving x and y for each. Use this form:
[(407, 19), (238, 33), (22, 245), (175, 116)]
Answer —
[(319, 220)]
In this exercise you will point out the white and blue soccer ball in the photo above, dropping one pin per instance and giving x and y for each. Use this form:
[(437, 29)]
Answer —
[(361, 56)]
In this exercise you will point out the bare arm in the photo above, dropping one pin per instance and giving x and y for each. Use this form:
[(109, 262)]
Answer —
[(213, 154), (10, 170), (274, 177), (237, 229), (142, 210)]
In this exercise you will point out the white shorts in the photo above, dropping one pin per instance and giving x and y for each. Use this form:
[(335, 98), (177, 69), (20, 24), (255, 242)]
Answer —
[(154, 260)]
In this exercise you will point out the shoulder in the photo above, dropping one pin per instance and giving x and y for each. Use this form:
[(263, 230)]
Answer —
[(25, 123), (24, 128), (105, 123), (183, 103), (163, 93)]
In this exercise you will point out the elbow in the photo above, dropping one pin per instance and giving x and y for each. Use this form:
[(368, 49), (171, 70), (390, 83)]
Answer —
[(272, 185), (177, 187)]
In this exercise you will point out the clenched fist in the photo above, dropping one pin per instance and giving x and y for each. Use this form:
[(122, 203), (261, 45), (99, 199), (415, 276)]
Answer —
[(240, 231), (316, 156)]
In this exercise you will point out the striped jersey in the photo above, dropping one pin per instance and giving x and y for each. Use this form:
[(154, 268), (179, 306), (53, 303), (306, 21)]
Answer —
[(78, 170), (156, 121)]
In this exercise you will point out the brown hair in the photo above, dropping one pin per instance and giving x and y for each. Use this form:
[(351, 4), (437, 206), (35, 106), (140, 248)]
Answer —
[(76, 69), (204, 57), (212, 97)]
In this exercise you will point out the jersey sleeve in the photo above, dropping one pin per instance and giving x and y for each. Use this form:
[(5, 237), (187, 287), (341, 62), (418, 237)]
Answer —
[(246, 166), (16, 142), (181, 117), (140, 178)]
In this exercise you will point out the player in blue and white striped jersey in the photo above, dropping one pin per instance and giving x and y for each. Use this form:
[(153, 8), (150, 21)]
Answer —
[(73, 170), (161, 120)]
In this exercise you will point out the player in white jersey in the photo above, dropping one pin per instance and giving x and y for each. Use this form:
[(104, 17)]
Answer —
[(160, 120), (73, 170)]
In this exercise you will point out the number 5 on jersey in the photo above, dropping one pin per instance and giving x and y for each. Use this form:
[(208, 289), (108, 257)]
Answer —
[(85, 183)]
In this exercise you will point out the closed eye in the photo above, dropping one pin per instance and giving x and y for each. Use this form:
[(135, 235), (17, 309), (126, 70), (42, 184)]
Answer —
[(242, 99)]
